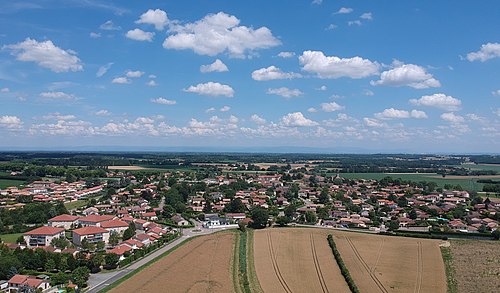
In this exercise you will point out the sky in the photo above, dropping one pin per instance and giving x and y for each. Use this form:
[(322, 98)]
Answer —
[(331, 75)]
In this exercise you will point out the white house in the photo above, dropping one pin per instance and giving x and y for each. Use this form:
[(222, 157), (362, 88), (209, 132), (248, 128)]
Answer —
[(92, 234), (65, 221), (42, 236)]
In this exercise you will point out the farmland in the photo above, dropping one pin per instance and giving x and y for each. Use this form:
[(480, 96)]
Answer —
[(477, 265), (4, 183), (392, 264), (296, 260), (201, 265)]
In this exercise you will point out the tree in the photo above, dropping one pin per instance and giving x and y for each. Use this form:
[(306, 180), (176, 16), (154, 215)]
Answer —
[(259, 217), (283, 221), (129, 232), (100, 245), (413, 214), (290, 211), (80, 275), (394, 225), (496, 234), (235, 206), (60, 243), (111, 260), (50, 265), (324, 197), (114, 238), (168, 211), (310, 217)]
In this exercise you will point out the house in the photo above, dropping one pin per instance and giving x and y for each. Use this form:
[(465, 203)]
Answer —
[(91, 234), (214, 221), (19, 281), (458, 225), (65, 221), (133, 243), (179, 220), (120, 250), (42, 236), (94, 220), (115, 226), (149, 216), (143, 238)]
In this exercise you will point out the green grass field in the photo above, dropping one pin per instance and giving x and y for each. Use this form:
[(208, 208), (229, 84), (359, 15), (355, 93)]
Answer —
[(10, 238), (482, 167), (4, 183), (75, 204)]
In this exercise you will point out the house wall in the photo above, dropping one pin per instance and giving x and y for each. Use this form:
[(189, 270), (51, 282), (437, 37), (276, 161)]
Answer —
[(65, 225), (40, 240)]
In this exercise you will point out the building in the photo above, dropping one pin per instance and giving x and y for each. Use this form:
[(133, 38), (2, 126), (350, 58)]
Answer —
[(116, 226), (92, 234), (65, 221), (180, 221), (42, 236), (17, 282), (94, 220)]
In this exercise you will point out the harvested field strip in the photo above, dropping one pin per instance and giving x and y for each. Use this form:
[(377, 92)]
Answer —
[(251, 274), (275, 264), (420, 268), (317, 266), (450, 270), (365, 265)]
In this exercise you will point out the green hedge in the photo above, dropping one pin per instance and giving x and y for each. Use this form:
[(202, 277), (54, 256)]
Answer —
[(342, 266), (243, 263)]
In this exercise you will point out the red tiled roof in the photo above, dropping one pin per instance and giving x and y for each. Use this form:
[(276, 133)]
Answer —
[(96, 218), (113, 224), (90, 230), (18, 279), (64, 218), (120, 250), (45, 230)]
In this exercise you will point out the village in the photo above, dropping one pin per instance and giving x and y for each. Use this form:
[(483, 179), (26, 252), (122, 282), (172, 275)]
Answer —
[(128, 214)]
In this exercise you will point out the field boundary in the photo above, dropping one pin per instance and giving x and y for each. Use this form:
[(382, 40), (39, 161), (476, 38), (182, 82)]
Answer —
[(235, 268), (251, 273), (451, 281), (343, 268)]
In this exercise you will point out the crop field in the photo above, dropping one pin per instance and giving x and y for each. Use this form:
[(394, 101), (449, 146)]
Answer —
[(296, 260), (392, 264), (201, 265), (477, 265), (4, 183)]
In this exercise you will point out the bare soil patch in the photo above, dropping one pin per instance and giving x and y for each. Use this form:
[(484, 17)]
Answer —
[(201, 265), (392, 264), (477, 265), (296, 260)]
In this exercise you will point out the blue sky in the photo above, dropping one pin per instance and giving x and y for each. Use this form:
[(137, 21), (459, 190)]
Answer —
[(371, 76)]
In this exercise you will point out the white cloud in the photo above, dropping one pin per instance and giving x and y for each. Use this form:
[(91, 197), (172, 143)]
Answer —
[(488, 51), (219, 33), (317, 2), (210, 110), (496, 93), (331, 107), (5, 90), (121, 80), (370, 122), (273, 72), (475, 117), (151, 83), (312, 110), (58, 116), (225, 109), (134, 74), (103, 69), (497, 112), (331, 27), (46, 54), (102, 113), (285, 92), (58, 96), (400, 114), (335, 67), (452, 118), (156, 17), (211, 89), (163, 101), (440, 101), (367, 16), (109, 26), (407, 75), (322, 88), (11, 122), (344, 10), (63, 127), (286, 54), (257, 119), (297, 119), (152, 76), (354, 22), (140, 35), (217, 66), (95, 35), (368, 93)]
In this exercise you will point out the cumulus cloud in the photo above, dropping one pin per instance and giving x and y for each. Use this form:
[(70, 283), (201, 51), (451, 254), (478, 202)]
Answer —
[(452, 118), (225, 109), (488, 51), (151, 83), (46, 54), (335, 67), (121, 80), (322, 88), (344, 10), (286, 54), (367, 16), (217, 66), (368, 93), (407, 75), (400, 114), (440, 101), (210, 110), (370, 122), (331, 107), (273, 72), (5, 90), (156, 17), (317, 2), (140, 35), (10, 122), (496, 93), (58, 116), (109, 26), (219, 33), (257, 119), (58, 96), (134, 74), (103, 69), (312, 110), (95, 35), (163, 101), (297, 119), (63, 127), (102, 113), (285, 92), (211, 89), (331, 27)]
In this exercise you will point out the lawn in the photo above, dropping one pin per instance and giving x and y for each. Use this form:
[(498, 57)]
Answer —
[(10, 238), (75, 204), (4, 183)]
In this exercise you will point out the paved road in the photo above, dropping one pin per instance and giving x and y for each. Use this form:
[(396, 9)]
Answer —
[(98, 282)]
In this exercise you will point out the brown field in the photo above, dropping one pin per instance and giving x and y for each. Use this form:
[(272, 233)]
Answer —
[(201, 265), (296, 260), (392, 264), (477, 265)]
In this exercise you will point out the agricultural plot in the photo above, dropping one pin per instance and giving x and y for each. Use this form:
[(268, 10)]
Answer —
[(296, 260), (392, 264), (201, 265), (477, 265)]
